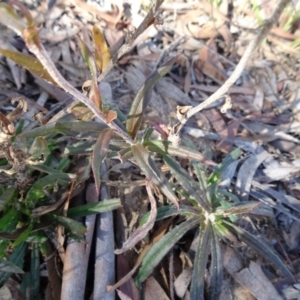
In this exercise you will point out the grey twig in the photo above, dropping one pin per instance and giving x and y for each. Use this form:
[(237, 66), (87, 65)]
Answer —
[(242, 63)]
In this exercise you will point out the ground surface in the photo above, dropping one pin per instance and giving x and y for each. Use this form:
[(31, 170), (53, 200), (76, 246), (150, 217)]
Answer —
[(264, 120)]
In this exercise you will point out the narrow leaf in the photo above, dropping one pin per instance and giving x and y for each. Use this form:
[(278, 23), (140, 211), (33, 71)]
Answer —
[(165, 147), (99, 153), (148, 166), (70, 224), (8, 266), (157, 252), (197, 285), (102, 55), (17, 258), (143, 97), (216, 269), (187, 182), (11, 19), (35, 272), (94, 208), (36, 191), (142, 231), (28, 62), (231, 157), (260, 247), (66, 128), (167, 211)]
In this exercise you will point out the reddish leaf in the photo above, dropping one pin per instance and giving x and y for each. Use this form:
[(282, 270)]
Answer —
[(28, 62)]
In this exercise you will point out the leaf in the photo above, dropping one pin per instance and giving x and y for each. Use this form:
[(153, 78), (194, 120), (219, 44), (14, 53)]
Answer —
[(70, 224), (232, 156), (94, 94), (8, 266), (165, 147), (143, 230), (260, 247), (146, 163), (67, 128), (143, 97), (216, 269), (9, 221), (36, 191), (35, 272), (187, 182), (28, 62), (167, 211), (157, 252), (99, 153), (39, 148), (17, 258), (23, 236), (10, 194), (240, 208), (202, 252), (102, 55), (94, 208), (11, 19)]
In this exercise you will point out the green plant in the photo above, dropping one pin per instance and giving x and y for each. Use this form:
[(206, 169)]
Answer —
[(40, 169), (214, 212)]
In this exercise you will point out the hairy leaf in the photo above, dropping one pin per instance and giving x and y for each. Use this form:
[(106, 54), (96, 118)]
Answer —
[(216, 269), (157, 252), (201, 257), (164, 212), (94, 208), (66, 128)]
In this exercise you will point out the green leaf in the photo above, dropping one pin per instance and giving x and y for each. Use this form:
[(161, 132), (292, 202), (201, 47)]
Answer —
[(8, 266), (28, 62), (167, 211), (70, 224), (216, 269), (260, 247), (23, 236), (187, 182), (39, 148), (165, 147), (71, 128), (17, 258), (245, 207), (10, 194), (148, 166), (35, 272), (232, 156), (36, 191), (99, 153), (201, 257), (157, 252), (143, 98), (9, 222), (94, 208)]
